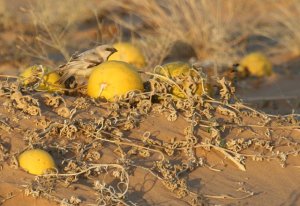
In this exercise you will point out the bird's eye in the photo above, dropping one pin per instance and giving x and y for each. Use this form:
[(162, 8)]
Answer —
[(111, 49)]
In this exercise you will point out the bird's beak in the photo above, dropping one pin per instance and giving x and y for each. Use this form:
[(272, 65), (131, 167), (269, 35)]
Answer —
[(112, 50)]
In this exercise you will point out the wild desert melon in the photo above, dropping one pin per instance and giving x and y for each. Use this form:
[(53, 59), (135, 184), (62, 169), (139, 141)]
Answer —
[(36, 161), (49, 82), (255, 64), (129, 53), (113, 78), (175, 69)]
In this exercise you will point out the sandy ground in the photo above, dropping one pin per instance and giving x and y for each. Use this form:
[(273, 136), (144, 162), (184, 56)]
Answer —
[(270, 183)]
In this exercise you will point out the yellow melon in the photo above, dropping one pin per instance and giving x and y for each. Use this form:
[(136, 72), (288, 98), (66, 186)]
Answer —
[(49, 82), (255, 64), (113, 78), (129, 53), (36, 161)]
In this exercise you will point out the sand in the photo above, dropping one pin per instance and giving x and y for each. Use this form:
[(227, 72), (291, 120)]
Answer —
[(221, 182)]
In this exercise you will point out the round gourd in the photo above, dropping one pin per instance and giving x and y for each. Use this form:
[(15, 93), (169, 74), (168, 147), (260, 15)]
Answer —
[(255, 64), (49, 82), (113, 78), (129, 53), (36, 161)]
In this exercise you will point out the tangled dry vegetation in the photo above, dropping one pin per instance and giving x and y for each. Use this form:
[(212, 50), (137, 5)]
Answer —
[(79, 131)]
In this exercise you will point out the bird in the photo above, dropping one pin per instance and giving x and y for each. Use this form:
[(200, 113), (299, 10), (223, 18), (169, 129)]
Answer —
[(81, 64)]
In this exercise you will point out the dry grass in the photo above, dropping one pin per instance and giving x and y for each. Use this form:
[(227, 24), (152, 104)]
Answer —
[(52, 28), (54, 12), (284, 26), (54, 24), (216, 30), (4, 15), (213, 28)]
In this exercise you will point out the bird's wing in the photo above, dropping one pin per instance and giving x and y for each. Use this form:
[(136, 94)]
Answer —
[(64, 77), (79, 62), (84, 54), (94, 60), (76, 55), (72, 68)]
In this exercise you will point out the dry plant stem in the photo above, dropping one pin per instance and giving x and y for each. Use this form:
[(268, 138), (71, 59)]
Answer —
[(237, 106), (226, 154), (31, 52), (120, 201), (150, 171), (211, 100), (47, 35), (212, 168), (222, 150), (272, 156), (93, 166), (9, 76), (107, 133), (168, 80), (219, 148), (228, 197), (130, 144), (48, 129), (263, 126), (272, 98), (55, 41), (288, 115), (4, 199), (236, 162)]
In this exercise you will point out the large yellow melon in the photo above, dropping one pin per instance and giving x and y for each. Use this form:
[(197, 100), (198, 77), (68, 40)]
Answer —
[(129, 53), (255, 64), (36, 161), (113, 78)]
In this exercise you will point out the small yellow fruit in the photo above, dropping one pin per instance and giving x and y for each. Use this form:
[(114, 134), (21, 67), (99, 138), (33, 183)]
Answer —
[(49, 83), (256, 64), (36, 161), (128, 53), (175, 69), (113, 78)]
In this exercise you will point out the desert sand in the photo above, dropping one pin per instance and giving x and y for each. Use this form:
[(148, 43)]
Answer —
[(218, 180)]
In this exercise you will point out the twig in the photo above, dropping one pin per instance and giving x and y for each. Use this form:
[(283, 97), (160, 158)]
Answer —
[(9, 76), (229, 197), (4, 199), (226, 154)]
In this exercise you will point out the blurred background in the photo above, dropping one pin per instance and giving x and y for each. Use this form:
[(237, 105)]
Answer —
[(212, 33)]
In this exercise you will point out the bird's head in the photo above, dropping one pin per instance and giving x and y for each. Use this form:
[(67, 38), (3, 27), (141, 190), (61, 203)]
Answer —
[(105, 51)]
